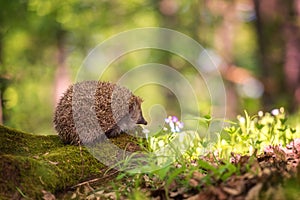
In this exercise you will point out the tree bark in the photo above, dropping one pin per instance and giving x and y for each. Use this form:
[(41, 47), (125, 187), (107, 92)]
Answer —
[(1, 65), (1, 107), (279, 52), (62, 74), (224, 40), (292, 53)]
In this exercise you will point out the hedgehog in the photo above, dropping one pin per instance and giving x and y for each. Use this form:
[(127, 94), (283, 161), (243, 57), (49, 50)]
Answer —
[(89, 110)]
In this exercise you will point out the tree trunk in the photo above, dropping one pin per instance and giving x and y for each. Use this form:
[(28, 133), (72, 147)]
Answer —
[(1, 65), (224, 40), (1, 107), (292, 54), (62, 74), (279, 52)]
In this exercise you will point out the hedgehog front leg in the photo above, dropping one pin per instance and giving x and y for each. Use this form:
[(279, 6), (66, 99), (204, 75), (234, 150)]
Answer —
[(113, 132)]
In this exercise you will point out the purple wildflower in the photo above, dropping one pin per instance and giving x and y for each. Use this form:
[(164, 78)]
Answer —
[(174, 124)]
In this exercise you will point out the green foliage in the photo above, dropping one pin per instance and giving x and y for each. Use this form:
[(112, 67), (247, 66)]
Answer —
[(247, 136), (254, 134), (189, 153)]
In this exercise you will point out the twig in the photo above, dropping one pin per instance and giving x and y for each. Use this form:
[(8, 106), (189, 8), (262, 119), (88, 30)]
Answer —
[(93, 180)]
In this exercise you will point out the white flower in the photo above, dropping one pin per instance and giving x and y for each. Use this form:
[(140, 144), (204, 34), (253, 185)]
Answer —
[(241, 119), (146, 132), (281, 109), (251, 150), (161, 143), (275, 112), (171, 124), (260, 113)]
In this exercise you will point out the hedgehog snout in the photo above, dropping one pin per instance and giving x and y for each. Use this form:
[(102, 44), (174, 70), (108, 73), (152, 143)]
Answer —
[(142, 120)]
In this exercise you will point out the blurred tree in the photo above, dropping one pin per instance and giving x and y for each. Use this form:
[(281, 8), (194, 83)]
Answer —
[(12, 12), (292, 54), (225, 34), (3, 85), (279, 42), (43, 43), (74, 24), (48, 39)]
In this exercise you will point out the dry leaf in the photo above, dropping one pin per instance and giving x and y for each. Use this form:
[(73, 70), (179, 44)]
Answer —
[(253, 193), (231, 191), (197, 175), (48, 195), (193, 183)]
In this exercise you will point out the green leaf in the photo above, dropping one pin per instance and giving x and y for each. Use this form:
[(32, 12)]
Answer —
[(174, 174), (205, 165), (283, 120), (161, 173), (259, 126), (293, 130), (120, 176)]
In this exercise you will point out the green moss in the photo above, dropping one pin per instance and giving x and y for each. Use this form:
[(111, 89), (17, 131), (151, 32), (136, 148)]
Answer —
[(72, 164), (20, 143), (31, 163), (25, 175)]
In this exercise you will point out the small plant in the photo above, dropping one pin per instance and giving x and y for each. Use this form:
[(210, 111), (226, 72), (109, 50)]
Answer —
[(254, 134), (168, 144), (186, 159), (249, 135), (167, 134)]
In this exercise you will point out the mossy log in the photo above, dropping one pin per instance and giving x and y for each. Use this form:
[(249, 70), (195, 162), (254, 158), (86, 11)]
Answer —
[(31, 164)]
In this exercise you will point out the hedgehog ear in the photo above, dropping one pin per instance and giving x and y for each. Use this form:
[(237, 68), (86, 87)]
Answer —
[(140, 100)]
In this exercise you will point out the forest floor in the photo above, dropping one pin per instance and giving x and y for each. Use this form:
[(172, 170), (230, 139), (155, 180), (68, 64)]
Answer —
[(272, 175), (42, 167)]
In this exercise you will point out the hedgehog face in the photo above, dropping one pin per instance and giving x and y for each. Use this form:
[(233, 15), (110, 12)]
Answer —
[(133, 118), (136, 114)]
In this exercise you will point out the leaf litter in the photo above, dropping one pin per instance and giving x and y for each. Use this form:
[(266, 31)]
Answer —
[(264, 176)]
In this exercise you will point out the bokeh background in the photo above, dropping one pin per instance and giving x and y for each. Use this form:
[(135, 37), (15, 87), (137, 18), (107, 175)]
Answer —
[(254, 43)]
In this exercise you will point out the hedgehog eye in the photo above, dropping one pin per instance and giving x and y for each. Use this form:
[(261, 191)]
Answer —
[(132, 110), (132, 107)]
